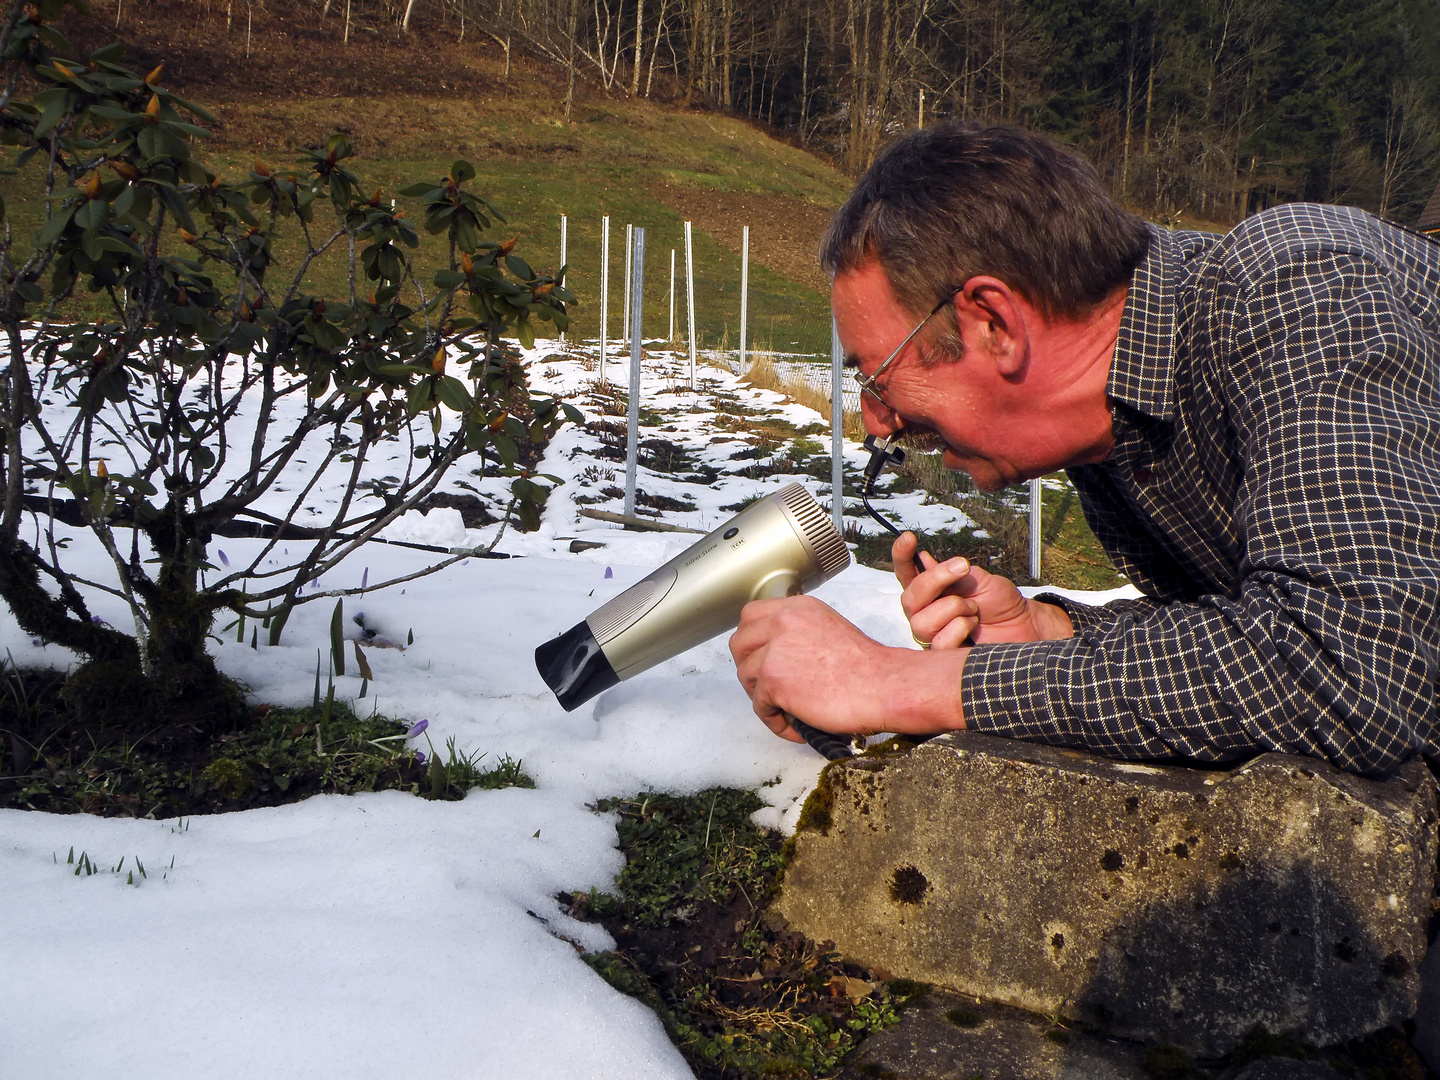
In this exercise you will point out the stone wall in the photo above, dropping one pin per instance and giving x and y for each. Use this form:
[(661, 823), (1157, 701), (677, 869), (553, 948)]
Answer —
[(1170, 904)]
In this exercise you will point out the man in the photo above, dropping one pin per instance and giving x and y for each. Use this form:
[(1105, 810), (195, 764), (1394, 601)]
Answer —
[(1252, 423)]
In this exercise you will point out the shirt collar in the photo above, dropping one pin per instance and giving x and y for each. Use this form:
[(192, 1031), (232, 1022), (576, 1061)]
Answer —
[(1142, 371)]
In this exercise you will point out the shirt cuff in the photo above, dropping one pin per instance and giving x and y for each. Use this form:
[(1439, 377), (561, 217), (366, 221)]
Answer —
[(1088, 616), (1003, 690), (1081, 615)]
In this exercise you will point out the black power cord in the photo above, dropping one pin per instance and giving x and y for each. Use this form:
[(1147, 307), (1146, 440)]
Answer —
[(883, 452)]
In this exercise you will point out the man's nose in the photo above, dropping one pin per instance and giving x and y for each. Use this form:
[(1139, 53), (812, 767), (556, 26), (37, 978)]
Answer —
[(879, 420)]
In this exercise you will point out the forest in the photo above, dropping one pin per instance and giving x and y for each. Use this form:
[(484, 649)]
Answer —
[(1201, 109)]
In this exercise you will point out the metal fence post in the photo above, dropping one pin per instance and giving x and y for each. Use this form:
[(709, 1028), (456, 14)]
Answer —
[(671, 339), (604, 290), (629, 248), (837, 431), (744, 291), (637, 303), (690, 298), (566, 278), (1036, 514)]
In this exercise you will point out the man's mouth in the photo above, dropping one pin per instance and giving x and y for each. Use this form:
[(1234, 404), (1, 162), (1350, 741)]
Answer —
[(921, 440)]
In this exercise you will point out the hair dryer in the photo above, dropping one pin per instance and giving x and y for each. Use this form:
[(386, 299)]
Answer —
[(780, 546)]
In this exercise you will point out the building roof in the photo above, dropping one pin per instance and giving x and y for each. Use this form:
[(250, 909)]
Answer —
[(1430, 216)]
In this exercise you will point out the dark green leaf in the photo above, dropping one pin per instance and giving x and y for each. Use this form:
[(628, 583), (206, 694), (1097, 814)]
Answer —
[(453, 394)]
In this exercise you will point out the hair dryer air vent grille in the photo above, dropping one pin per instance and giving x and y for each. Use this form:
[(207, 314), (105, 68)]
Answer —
[(823, 540)]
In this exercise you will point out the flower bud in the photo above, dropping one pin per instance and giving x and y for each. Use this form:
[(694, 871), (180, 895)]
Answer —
[(153, 78), (152, 110), (93, 186), (124, 170)]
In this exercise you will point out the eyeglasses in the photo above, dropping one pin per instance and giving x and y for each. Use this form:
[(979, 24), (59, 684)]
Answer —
[(867, 382)]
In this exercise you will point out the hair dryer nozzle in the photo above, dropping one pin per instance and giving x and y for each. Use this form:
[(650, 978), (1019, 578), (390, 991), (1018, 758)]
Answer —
[(574, 666)]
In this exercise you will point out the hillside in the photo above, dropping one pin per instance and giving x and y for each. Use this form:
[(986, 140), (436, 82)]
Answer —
[(411, 103)]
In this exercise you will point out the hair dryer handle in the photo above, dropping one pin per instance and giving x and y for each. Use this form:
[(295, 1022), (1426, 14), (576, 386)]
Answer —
[(830, 747)]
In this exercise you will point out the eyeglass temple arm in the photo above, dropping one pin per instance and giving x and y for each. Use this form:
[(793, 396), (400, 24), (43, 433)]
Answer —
[(883, 452)]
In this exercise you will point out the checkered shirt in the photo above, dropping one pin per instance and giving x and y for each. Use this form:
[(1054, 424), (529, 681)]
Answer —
[(1274, 491)]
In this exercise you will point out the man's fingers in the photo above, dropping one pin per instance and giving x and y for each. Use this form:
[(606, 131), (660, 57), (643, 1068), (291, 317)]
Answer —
[(754, 628), (930, 620), (924, 589), (955, 633), (902, 551)]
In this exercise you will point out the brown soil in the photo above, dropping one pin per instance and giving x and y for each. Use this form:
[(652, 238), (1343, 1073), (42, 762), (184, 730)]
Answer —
[(395, 87), (289, 52), (784, 232)]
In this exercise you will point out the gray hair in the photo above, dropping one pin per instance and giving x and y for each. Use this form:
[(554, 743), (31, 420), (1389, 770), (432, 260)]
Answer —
[(939, 206)]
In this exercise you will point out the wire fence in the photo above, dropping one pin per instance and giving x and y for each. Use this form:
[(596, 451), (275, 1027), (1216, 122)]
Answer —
[(736, 314)]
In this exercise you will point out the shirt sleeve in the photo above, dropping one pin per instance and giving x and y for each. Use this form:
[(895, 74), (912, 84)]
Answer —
[(1329, 645), (1087, 616)]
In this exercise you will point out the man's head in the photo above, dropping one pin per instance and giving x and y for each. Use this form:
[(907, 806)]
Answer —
[(1000, 247), (945, 204)]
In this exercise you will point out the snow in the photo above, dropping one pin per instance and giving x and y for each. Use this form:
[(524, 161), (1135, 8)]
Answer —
[(384, 935)]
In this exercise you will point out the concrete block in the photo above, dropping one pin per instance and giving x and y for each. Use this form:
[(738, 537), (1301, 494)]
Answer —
[(954, 1038), (1158, 903)]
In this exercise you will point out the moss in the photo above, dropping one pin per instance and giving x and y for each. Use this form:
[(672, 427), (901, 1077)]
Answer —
[(228, 778), (896, 744), (816, 814), (105, 694), (908, 885)]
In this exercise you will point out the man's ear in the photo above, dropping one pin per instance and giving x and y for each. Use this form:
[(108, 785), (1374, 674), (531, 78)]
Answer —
[(992, 315)]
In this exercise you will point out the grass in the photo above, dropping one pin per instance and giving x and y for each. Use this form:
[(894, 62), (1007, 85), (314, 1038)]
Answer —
[(283, 756), (739, 995), (615, 158)]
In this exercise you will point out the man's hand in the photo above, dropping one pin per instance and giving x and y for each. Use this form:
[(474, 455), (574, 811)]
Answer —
[(953, 603), (799, 656)]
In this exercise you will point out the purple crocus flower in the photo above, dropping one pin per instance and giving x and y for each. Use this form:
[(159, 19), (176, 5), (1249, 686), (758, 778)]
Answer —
[(365, 578), (609, 573), (224, 559), (420, 725), (420, 757)]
